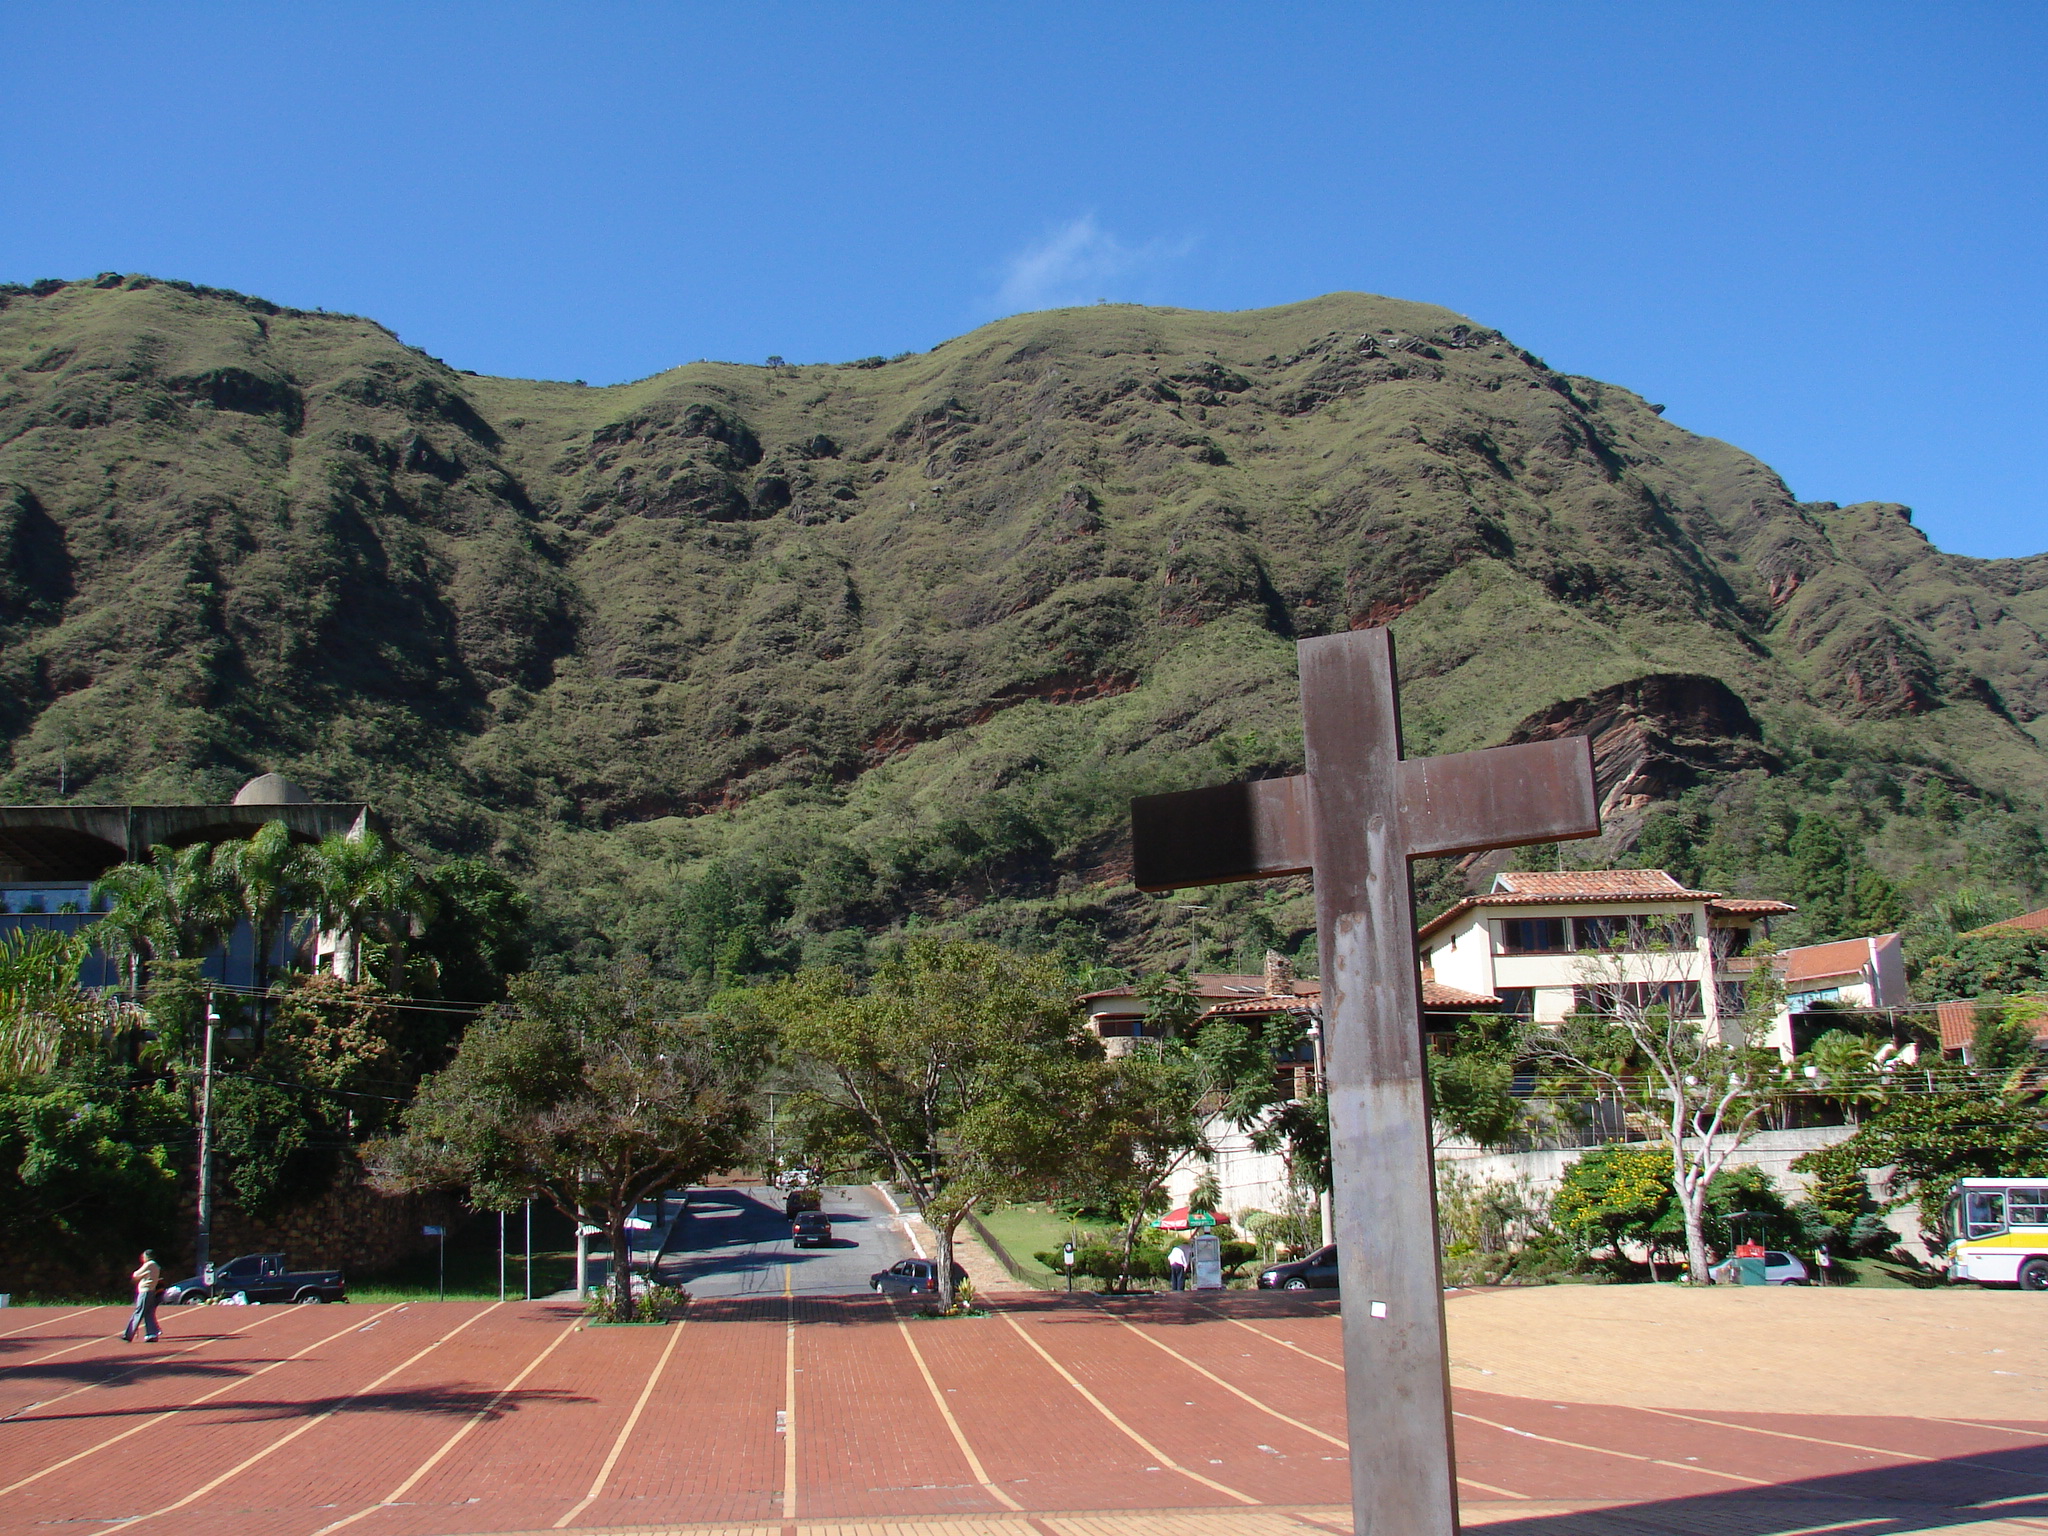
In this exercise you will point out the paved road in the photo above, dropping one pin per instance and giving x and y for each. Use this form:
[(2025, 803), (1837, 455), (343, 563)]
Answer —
[(735, 1242)]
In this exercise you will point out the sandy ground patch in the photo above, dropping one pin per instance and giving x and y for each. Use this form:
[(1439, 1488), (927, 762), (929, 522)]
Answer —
[(1762, 1349)]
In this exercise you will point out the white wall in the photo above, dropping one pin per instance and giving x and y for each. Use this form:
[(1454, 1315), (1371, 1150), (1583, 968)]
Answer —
[(1257, 1181)]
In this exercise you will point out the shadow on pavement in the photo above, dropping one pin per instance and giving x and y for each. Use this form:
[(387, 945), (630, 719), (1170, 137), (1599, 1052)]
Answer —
[(461, 1401), (1923, 1496)]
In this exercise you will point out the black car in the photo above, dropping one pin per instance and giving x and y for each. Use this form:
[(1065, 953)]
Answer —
[(912, 1275), (1317, 1272), (260, 1277), (810, 1229)]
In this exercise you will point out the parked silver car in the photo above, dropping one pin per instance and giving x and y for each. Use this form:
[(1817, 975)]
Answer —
[(1779, 1269)]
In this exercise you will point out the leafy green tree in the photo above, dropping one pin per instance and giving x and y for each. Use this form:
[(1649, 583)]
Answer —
[(1614, 1194), (592, 1092), (1964, 1129), (1144, 1122), (1839, 893), (480, 934), (1172, 1003), (1985, 965), (90, 1166), (1472, 1079), (1703, 1089), (959, 1067), (2004, 1041)]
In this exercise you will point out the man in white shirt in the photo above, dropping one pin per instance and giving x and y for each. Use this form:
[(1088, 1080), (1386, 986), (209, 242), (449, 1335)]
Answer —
[(148, 1276)]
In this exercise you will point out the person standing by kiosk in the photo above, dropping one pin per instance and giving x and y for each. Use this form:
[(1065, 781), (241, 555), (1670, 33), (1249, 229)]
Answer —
[(149, 1279)]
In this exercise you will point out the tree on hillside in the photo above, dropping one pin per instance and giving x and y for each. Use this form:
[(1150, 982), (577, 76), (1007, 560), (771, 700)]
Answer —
[(1839, 892), (591, 1092), (1986, 965), (1472, 1081), (959, 1068)]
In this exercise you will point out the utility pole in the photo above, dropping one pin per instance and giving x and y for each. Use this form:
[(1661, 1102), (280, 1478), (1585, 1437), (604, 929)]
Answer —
[(203, 1244), (529, 1247), (1315, 1040), (501, 1255)]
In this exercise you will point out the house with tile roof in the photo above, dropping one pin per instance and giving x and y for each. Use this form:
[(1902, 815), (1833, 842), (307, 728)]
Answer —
[(1551, 943)]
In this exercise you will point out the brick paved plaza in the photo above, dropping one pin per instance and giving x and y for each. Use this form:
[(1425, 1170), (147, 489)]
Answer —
[(845, 1415)]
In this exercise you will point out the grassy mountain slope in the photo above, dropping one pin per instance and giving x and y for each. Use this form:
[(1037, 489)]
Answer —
[(734, 660)]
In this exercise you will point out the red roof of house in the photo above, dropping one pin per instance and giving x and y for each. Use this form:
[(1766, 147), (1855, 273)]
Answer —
[(1528, 888), (2024, 921), (1578, 884), (1819, 962), (1309, 994)]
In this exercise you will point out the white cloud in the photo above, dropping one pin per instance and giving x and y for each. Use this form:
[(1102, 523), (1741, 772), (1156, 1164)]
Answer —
[(1079, 263)]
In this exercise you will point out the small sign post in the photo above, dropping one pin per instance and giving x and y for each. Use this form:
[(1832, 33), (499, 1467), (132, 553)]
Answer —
[(1070, 1263), (1353, 821), (441, 1234)]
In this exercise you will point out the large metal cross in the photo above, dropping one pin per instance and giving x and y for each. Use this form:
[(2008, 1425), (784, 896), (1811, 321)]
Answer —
[(1354, 820)]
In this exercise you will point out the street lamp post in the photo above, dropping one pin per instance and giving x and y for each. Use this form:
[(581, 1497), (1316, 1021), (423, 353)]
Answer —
[(203, 1239), (1315, 1041)]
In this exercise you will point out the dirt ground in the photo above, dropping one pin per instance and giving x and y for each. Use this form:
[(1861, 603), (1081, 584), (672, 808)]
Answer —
[(1759, 1349)]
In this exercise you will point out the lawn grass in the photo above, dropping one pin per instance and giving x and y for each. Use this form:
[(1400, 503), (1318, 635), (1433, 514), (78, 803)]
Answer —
[(1034, 1228)]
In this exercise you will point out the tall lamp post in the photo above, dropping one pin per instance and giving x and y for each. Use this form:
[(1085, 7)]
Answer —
[(202, 1246), (1315, 1041)]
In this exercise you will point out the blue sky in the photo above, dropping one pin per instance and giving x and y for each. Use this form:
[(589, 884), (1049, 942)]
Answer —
[(1815, 230)]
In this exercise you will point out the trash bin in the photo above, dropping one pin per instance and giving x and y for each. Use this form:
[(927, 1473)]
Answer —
[(1749, 1264)]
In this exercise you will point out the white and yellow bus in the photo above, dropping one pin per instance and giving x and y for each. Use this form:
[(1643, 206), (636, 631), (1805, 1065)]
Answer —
[(1998, 1232)]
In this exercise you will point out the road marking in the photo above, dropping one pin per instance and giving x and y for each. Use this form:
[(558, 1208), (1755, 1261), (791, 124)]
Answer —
[(313, 1423), (1847, 1445), (171, 1413), (1338, 1365), (32, 1327), (1274, 1338), (139, 1366), (1602, 1450), (1343, 1445), (945, 1412), (788, 1425), (433, 1461), (619, 1445), (1103, 1408)]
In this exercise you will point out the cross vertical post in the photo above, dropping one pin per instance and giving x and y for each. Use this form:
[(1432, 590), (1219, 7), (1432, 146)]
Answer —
[(1354, 820), (1403, 1482)]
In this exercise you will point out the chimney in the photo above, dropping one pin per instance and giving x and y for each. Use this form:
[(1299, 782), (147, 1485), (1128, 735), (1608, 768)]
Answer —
[(1279, 975)]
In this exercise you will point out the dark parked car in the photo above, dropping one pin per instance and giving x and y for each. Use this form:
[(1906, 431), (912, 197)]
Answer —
[(1317, 1272), (811, 1229), (912, 1275), (260, 1277)]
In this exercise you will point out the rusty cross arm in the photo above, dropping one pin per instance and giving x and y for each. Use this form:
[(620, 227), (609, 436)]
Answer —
[(1541, 792)]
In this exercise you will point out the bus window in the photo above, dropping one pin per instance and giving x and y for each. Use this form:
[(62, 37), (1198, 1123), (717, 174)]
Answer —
[(2027, 1206), (1985, 1212)]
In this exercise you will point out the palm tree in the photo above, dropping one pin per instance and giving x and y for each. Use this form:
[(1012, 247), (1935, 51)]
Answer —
[(368, 893), (172, 908), (265, 877)]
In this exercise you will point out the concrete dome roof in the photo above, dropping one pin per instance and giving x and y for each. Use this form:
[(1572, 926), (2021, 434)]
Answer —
[(271, 789)]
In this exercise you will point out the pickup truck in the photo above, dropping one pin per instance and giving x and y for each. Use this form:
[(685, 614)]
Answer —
[(259, 1277)]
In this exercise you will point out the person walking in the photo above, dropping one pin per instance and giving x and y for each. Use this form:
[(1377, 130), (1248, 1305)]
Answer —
[(1177, 1265), (148, 1277)]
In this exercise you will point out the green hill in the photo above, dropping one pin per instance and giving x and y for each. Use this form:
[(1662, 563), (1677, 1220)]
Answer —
[(737, 664)]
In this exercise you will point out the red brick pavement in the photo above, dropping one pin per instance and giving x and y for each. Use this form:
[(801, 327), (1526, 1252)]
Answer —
[(471, 1418)]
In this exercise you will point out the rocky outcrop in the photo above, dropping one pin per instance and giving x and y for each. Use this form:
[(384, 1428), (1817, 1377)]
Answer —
[(1654, 736)]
